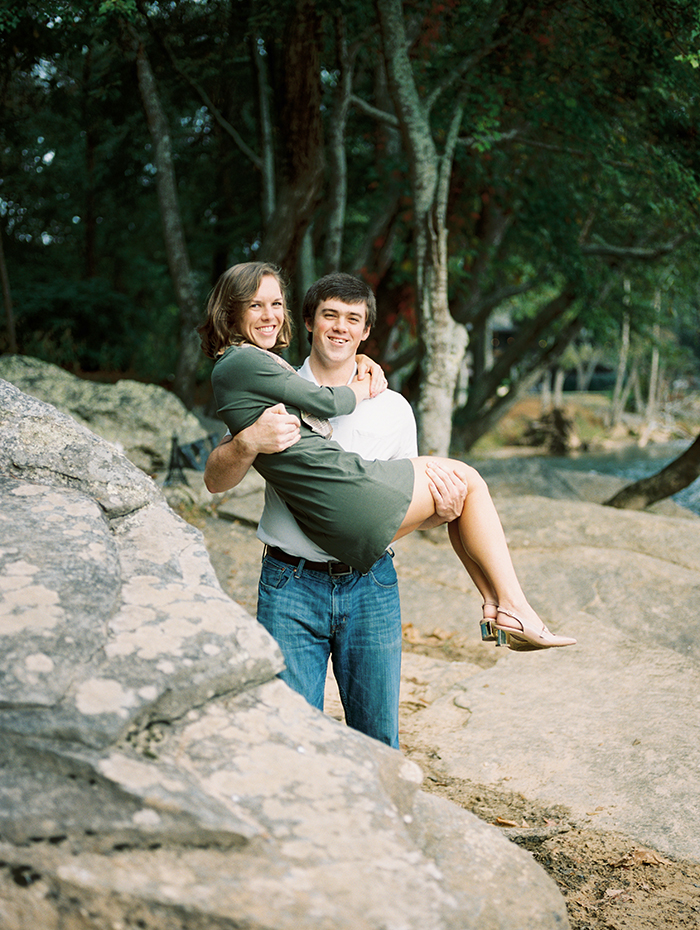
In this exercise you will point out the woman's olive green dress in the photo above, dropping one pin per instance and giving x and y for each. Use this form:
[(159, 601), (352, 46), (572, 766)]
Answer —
[(348, 506)]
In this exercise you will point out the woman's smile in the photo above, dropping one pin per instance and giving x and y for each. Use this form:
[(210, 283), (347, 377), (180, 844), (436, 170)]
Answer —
[(263, 317)]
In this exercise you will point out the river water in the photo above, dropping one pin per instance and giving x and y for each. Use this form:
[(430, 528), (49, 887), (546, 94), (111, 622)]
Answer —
[(632, 464)]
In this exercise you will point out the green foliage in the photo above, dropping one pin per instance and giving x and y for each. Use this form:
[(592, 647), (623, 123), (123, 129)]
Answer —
[(126, 8), (580, 131), (82, 324)]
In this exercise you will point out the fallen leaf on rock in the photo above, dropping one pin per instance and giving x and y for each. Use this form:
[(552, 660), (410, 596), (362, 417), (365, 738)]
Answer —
[(506, 823), (618, 894), (418, 702), (640, 856)]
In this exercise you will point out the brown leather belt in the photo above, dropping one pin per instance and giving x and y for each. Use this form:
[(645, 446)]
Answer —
[(328, 568)]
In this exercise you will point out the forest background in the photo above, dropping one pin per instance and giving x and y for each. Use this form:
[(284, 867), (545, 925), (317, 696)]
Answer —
[(518, 181)]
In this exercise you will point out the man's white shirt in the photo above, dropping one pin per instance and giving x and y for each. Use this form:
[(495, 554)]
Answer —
[(380, 428)]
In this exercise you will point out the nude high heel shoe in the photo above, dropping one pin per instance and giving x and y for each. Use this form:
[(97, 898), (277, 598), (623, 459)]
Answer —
[(489, 633), (522, 638)]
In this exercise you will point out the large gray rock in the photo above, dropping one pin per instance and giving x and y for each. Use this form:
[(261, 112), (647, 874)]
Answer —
[(607, 728), (153, 770), (138, 418)]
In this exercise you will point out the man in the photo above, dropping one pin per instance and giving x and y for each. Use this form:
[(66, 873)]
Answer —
[(313, 606)]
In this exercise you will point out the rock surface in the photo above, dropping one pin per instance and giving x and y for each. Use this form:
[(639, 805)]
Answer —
[(140, 419), (608, 729), (156, 774)]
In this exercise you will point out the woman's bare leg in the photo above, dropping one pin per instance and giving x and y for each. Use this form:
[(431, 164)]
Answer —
[(479, 530), (481, 582), (489, 606), (479, 535)]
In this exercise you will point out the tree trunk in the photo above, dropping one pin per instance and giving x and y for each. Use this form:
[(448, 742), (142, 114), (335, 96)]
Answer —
[(303, 279), (586, 372), (338, 168), (670, 480), (444, 341), (302, 132), (7, 300), (178, 260), (266, 134), (616, 408), (652, 393), (632, 382), (637, 389), (376, 249), (546, 392), (558, 392)]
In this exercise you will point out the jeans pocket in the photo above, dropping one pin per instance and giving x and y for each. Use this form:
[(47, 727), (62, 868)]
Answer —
[(383, 573), (274, 574)]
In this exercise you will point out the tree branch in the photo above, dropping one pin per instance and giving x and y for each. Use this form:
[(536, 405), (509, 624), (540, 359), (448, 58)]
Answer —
[(605, 250), (477, 310), (529, 333), (670, 480), (382, 115), (484, 48), (203, 96), (581, 153)]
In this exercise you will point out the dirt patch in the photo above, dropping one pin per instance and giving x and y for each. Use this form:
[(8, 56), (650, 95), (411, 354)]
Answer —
[(608, 881)]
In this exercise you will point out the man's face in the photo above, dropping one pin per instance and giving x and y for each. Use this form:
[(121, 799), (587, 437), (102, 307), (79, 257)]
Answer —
[(338, 329)]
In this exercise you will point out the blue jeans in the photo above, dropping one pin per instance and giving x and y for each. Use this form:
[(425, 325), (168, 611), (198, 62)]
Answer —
[(356, 620)]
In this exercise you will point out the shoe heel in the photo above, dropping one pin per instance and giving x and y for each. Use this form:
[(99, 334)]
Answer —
[(501, 638), (488, 633)]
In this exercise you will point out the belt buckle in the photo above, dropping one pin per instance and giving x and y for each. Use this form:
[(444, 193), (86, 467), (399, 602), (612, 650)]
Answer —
[(347, 570)]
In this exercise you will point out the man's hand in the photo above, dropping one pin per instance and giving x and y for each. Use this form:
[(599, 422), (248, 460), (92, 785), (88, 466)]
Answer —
[(274, 431), (449, 493), (365, 367)]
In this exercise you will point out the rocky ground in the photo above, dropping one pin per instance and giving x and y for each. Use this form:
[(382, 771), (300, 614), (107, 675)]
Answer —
[(609, 881)]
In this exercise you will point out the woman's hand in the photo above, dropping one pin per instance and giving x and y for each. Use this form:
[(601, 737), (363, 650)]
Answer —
[(368, 368), (361, 388)]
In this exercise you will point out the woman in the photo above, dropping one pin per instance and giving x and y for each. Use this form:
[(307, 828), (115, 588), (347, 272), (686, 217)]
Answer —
[(350, 507)]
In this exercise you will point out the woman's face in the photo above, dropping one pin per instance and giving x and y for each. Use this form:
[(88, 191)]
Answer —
[(263, 317)]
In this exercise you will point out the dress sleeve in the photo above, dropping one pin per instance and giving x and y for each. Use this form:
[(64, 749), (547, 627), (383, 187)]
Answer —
[(321, 401), (246, 381)]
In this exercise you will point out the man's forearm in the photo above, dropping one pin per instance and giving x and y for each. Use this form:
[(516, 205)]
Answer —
[(274, 431), (227, 465)]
